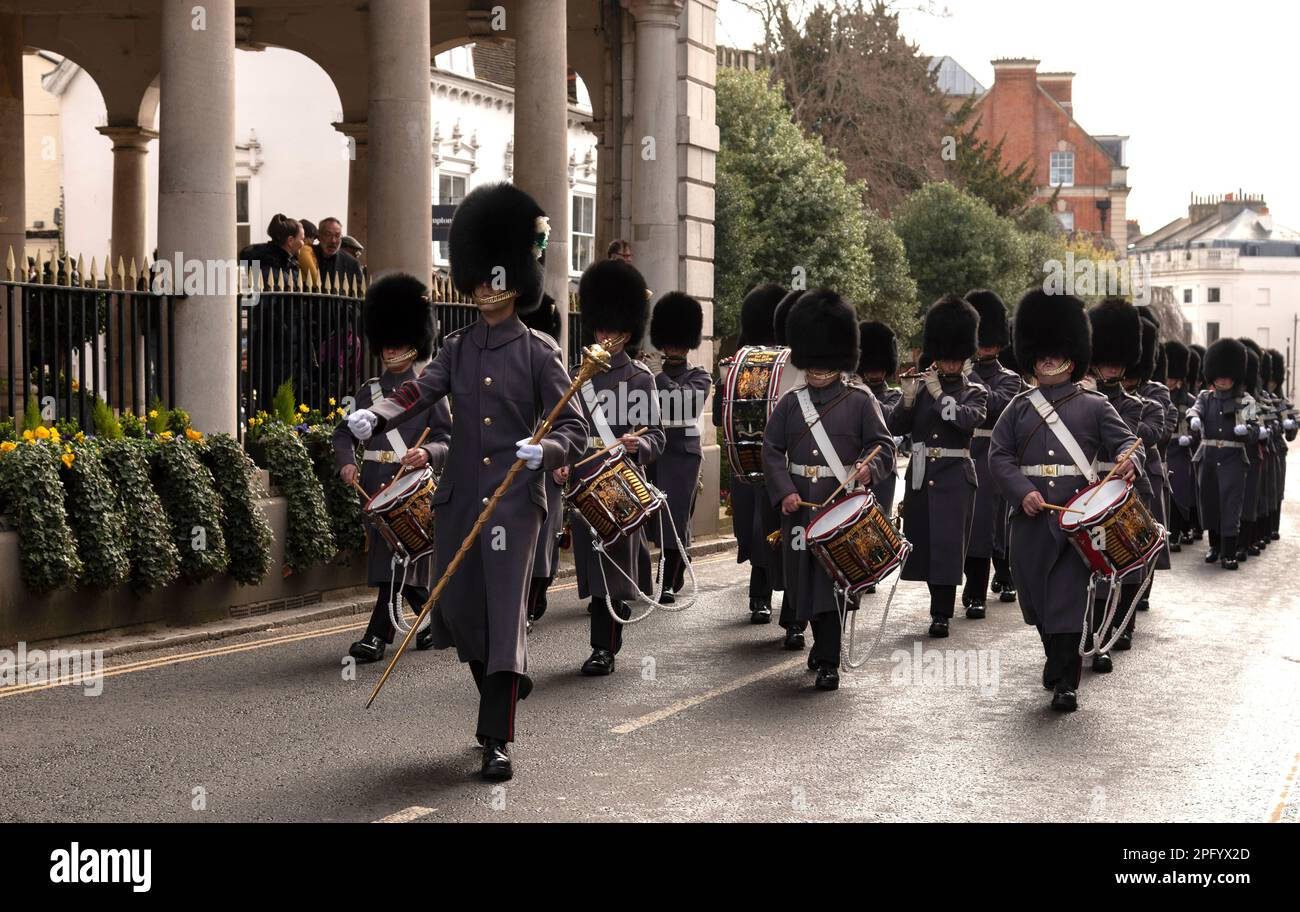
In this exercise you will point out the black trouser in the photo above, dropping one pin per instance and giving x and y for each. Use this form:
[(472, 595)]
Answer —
[(537, 596), (1002, 570), (674, 570), (760, 588), (942, 600), (605, 632), (380, 625), (1177, 525), (1064, 666), (497, 695), (826, 639), (1126, 593), (976, 591)]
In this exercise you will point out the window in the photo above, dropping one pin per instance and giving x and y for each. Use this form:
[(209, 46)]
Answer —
[(451, 192), (584, 231), (243, 230), (1211, 333), (1062, 169), (1265, 297), (1212, 295), (1066, 220), (1187, 296)]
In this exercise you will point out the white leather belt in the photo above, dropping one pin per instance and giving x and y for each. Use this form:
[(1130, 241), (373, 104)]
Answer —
[(810, 471), (1235, 444), (1050, 471), (381, 456), (983, 432), (1105, 466), (920, 453)]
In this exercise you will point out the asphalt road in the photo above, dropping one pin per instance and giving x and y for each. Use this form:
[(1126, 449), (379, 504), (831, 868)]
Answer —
[(706, 718)]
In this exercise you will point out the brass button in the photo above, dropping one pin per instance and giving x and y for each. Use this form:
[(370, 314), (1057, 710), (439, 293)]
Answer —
[(1051, 484), (487, 460), (932, 484), (815, 453), (487, 421), (1051, 452), (485, 501), (487, 381), (934, 436)]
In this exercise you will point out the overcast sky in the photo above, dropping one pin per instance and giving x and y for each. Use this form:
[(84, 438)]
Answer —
[(1205, 91)]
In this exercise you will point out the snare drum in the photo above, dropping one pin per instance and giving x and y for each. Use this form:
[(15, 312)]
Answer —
[(614, 500), (403, 514), (1112, 529), (855, 541), (756, 379)]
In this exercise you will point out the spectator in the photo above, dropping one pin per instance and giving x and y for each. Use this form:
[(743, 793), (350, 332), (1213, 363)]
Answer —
[(353, 246), (330, 256), (619, 250), (307, 255), (279, 255)]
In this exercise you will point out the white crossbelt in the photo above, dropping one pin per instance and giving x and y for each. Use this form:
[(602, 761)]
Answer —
[(921, 452), (1062, 434), (983, 432), (394, 436), (607, 438), (1050, 471), (819, 434)]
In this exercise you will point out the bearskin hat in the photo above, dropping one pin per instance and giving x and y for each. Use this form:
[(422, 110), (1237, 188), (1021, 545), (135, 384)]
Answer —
[(1177, 360), (1116, 333), (398, 312), (1049, 325), (1252, 370), (496, 227), (823, 332), (677, 322), (1007, 358), (614, 297), (781, 314), (1278, 362), (1196, 363), (1225, 358), (877, 348), (1265, 368), (993, 318), (757, 312), (951, 331), (1149, 363), (546, 318)]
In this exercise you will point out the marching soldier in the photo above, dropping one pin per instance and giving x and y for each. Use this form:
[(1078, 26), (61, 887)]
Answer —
[(1222, 416), (817, 436), (1247, 544), (1196, 377), (1182, 443), (618, 404), (1003, 385), (1287, 418), (1146, 382), (1002, 582), (877, 363), (504, 379), (546, 560), (676, 329), (1042, 453), (1270, 427), (941, 409), (398, 318)]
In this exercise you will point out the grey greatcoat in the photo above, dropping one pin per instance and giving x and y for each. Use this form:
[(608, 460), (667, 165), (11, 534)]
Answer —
[(682, 392), (629, 401), (753, 518), (1221, 460), (380, 462), (1160, 416), (885, 488), (990, 509), (855, 426), (546, 559), (937, 513), (1178, 458), (1050, 575), (503, 380)]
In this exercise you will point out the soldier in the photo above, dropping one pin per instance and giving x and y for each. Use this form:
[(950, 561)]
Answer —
[(398, 318), (546, 560), (1146, 381), (1270, 426), (1287, 415), (941, 409), (1248, 540), (1182, 443), (1222, 416), (617, 404), (877, 363), (504, 379), (1196, 378), (1003, 385), (1002, 583), (676, 329), (1042, 453), (817, 436)]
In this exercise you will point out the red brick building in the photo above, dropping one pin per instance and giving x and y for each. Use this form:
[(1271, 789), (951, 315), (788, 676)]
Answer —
[(1032, 114)]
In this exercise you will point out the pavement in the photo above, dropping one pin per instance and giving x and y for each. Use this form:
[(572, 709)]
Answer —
[(706, 718)]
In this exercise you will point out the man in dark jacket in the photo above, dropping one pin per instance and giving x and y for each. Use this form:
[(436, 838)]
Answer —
[(332, 259)]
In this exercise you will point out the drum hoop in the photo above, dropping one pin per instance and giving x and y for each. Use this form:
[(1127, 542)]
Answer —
[(425, 475), (1111, 510), (867, 503)]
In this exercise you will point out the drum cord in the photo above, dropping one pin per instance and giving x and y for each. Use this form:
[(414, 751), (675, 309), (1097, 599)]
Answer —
[(599, 547), (1112, 603), (846, 660), (396, 595)]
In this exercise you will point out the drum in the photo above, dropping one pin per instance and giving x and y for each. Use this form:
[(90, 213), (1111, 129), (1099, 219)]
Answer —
[(1112, 529), (757, 378), (855, 542), (403, 514), (614, 500)]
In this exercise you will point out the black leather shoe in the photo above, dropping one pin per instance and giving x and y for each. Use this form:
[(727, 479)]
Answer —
[(1102, 664), (1275, 536), (1242, 555), (938, 628), (1064, 700), (1144, 605), (870, 590), (667, 598), (759, 613), (600, 663), (424, 639), (828, 677), (793, 639), (975, 612), (1252, 550), (1212, 556), (369, 648), (995, 585), (496, 760), (1175, 547), (1228, 564), (1008, 594), (1124, 643), (1188, 538)]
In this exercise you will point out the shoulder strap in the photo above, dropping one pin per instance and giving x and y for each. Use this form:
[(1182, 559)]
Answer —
[(1062, 433), (598, 415), (394, 436), (814, 422)]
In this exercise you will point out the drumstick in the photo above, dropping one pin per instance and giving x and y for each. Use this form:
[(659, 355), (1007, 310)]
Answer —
[(849, 476), (1047, 506), (810, 506), (604, 450), (364, 496), (403, 470), (1129, 452)]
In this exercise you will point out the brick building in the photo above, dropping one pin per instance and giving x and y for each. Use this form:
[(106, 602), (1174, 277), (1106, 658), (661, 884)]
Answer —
[(1032, 113)]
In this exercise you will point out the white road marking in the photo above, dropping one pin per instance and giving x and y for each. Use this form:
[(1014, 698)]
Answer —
[(682, 705), (407, 815)]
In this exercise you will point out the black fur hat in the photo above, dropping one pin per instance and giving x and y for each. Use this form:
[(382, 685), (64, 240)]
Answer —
[(877, 348), (1252, 370), (1195, 364), (495, 227), (1278, 361), (781, 314), (1052, 325), (677, 322), (1007, 358), (614, 297), (993, 318), (546, 318), (1177, 360), (823, 332), (1265, 368), (951, 330), (1148, 365), (1116, 333), (398, 312), (1225, 358), (757, 312)]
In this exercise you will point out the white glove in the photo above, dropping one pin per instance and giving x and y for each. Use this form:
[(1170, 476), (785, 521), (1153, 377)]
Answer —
[(933, 385), (910, 386), (1288, 424), (362, 423), (530, 453), (898, 441), (1184, 440), (1195, 423), (1240, 430), (1263, 433)]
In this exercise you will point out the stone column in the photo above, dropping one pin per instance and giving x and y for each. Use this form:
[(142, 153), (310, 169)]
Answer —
[(540, 29), (130, 154), (358, 134), (196, 199), (13, 194), (400, 165)]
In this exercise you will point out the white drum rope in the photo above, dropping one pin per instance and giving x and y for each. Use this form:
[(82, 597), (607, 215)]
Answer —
[(846, 661), (599, 547), (396, 595)]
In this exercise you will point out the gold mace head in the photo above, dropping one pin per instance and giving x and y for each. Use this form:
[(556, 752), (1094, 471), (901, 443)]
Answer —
[(595, 360)]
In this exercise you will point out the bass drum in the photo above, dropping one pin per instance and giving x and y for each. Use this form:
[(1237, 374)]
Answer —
[(757, 378)]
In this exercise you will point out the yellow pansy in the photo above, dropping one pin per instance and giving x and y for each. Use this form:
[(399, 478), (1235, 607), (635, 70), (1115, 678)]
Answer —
[(166, 435), (68, 459), (252, 421), (54, 434), (303, 408), (8, 446), (43, 433), (153, 413), (192, 434), (81, 437), (27, 435), (331, 401)]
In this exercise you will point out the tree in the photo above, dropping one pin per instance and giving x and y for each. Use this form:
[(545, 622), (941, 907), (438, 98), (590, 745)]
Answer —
[(893, 290), (786, 212)]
